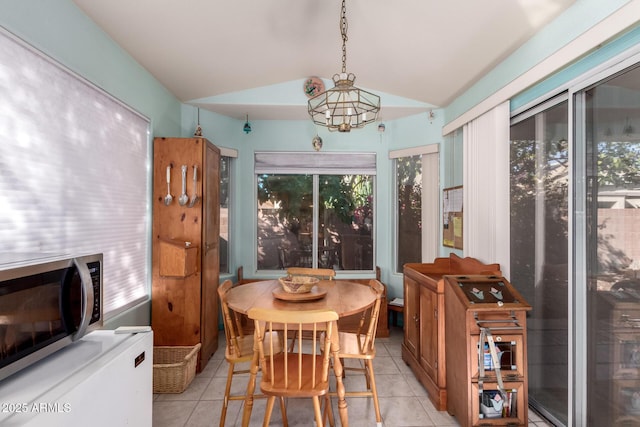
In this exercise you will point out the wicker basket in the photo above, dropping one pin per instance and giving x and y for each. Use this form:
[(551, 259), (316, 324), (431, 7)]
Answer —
[(174, 368)]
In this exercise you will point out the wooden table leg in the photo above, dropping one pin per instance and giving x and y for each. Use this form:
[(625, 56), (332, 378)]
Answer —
[(251, 386), (337, 368)]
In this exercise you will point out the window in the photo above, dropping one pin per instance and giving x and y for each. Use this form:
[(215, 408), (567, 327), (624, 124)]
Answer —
[(318, 213), (225, 166), (75, 172), (409, 209), (416, 204), (226, 190)]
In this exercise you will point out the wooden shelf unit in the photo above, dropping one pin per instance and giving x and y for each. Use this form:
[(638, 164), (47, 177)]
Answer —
[(185, 254), (423, 348), (505, 318)]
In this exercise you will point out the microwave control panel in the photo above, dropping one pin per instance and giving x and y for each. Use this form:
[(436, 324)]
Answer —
[(96, 277)]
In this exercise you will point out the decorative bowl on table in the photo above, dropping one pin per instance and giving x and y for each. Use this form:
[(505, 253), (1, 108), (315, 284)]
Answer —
[(298, 284)]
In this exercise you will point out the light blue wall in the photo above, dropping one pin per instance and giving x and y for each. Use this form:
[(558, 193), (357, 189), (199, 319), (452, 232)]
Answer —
[(277, 135), (560, 79), (63, 32), (583, 15), (575, 21), (60, 30)]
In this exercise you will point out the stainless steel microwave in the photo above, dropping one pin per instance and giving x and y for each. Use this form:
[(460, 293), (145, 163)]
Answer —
[(46, 303)]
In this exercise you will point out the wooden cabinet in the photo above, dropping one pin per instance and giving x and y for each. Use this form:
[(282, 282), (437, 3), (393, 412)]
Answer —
[(423, 348), (185, 260), (481, 310)]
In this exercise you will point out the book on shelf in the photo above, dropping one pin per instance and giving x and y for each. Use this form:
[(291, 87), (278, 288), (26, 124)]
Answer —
[(397, 302)]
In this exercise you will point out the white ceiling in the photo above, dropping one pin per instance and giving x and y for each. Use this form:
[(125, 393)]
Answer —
[(417, 54)]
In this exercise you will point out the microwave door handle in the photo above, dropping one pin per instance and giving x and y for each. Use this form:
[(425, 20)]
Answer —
[(87, 301)]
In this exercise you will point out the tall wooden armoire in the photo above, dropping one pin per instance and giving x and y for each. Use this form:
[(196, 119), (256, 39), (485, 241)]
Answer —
[(186, 232)]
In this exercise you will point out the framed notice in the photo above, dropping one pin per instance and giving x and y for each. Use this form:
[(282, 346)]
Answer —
[(452, 217)]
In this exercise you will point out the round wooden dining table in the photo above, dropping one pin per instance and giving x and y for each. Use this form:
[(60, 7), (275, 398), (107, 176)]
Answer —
[(344, 297)]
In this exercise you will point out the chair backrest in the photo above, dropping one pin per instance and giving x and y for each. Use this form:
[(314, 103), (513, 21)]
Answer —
[(230, 319), (372, 316), (299, 370), (324, 273)]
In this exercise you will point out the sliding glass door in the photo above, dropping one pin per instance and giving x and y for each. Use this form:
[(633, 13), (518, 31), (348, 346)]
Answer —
[(539, 248), (609, 127), (575, 247)]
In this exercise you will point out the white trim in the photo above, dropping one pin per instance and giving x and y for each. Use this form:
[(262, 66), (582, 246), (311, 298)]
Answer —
[(538, 108), (576, 310), (414, 151), (619, 63), (609, 27)]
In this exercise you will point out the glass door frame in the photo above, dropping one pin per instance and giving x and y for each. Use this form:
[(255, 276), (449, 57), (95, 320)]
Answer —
[(552, 101), (578, 205), (577, 244)]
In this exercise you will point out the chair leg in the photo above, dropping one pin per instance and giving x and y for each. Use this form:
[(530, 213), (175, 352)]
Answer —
[(329, 410), (374, 391), (365, 369), (283, 410), (316, 410), (293, 342), (251, 386), (267, 414), (227, 392)]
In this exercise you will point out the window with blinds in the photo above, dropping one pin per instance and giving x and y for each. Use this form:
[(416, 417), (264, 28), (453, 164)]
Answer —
[(315, 210), (74, 172)]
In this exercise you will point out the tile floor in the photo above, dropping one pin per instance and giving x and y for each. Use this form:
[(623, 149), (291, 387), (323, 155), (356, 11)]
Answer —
[(403, 400)]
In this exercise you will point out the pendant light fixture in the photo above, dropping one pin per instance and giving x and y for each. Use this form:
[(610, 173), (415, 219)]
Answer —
[(345, 106), (247, 126)]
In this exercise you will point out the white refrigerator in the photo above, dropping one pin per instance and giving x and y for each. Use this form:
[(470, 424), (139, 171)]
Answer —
[(103, 379)]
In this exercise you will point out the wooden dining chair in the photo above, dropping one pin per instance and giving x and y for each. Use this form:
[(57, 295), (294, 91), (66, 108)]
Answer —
[(322, 273), (300, 372), (240, 349), (360, 345)]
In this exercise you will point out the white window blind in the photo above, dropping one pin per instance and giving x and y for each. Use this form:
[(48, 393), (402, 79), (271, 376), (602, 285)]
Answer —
[(74, 171), (486, 187), (315, 163)]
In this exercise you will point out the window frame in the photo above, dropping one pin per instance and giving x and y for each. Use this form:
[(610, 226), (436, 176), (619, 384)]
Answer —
[(314, 164), (430, 215), (231, 154)]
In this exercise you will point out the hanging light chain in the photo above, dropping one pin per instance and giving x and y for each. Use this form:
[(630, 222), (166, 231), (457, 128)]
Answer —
[(343, 31), (345, 106)]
